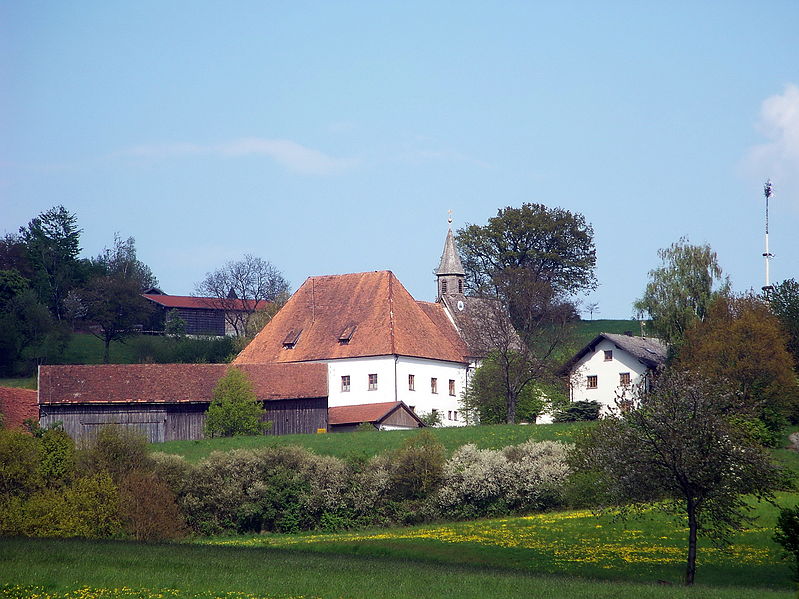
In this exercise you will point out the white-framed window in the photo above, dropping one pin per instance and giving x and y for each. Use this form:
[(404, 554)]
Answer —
[(345, 383), (608, 355), (411, 383), (624, 378), (452, 387), (372, 382), (592, 381), (433, 385)]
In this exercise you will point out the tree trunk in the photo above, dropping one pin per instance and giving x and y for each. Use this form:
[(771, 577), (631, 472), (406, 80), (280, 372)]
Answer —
[(106, 350), (510, 403), (690, 569)]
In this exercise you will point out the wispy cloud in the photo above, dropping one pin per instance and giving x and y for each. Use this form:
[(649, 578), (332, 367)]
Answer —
[(778, 158), (287, 153)]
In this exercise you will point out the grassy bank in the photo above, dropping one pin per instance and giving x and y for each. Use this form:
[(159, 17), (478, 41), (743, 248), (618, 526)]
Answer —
[(370, 443), (61, 566)]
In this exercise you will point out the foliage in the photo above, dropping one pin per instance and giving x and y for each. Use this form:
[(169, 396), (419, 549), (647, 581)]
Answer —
[(578, 411), (57, 461), (182, 350), (555, 245), (485, 400), (486, 482), (174, 324), (19, 459), (678, 448), (121, 261), (741, 346), (235, 409), (784, 302), (416, 468), (148, 508), (432, 418), (680, 290), (52, 243), (116, 450), (252, 280), (787, 535)]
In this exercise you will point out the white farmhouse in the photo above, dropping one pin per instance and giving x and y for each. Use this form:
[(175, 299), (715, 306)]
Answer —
[(611, 365), (379, 343)]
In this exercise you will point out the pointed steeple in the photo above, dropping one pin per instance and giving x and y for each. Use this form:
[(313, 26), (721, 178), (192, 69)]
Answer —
[(450, 273)]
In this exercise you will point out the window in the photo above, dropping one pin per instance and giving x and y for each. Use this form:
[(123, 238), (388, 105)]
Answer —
[(592, 381), (449, 415), (460, 286), (443, 287), (433, 385), (372, 382), (411, 383), (608, 355), (452, 387), (345, 383), (291, 338), (346, 335), (455, 415), (624, 378)]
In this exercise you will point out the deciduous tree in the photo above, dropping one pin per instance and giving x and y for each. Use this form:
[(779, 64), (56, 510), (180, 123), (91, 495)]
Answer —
[(235, 409), (679, 452), (680, 290), (242, 287), (784, 302)]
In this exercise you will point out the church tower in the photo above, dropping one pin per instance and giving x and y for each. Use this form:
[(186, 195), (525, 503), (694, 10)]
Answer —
[(450, 273)]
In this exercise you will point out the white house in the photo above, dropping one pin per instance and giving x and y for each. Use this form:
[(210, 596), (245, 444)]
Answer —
[(379, 343), (611, 365)]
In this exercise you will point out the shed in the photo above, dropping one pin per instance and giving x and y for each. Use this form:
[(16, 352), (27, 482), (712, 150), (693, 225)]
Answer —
[(392, 415), (168, 402)]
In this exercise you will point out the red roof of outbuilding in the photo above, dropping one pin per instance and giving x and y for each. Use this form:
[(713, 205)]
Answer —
[(173, 383), (368, 412), (372, 310), (17, 405), (205, 303)]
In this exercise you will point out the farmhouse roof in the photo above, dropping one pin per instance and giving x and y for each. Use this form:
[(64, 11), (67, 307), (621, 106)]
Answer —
[(17, 405), (348, 316), (204, 303), (650, 351), (173, 383), (370, 412), (450, 263)]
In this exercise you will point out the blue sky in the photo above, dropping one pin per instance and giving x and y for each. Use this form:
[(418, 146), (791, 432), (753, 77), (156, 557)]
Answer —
[(333, 137)]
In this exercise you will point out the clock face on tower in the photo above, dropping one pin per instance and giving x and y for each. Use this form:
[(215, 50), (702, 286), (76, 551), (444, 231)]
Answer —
[(460, 304)]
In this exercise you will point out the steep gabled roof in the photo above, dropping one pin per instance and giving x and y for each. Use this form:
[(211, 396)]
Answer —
[(173, 383), (481, 322), (17, 405), (204, 303), (349, 316), (651, 352), (369, 412)]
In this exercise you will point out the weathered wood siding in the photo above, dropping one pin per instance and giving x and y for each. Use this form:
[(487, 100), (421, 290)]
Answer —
[(292, 416), (401, 419), (179, 422)]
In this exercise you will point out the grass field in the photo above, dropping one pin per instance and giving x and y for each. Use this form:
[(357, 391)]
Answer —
[(369, 443)]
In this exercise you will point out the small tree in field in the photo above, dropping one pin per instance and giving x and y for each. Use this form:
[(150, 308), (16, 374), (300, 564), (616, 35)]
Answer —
[(679, 451), (235, 409)]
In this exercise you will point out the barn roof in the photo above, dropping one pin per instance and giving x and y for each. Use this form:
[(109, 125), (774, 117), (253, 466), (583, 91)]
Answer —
[(650, 351), (204, 303), (348, 316), (369, 412), (173, 383), (17, 405)]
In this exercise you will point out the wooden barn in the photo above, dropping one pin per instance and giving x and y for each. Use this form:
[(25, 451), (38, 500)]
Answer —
[(168, 402), (385, 416)]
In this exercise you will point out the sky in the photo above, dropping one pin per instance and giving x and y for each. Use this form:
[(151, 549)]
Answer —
[(332, 137)]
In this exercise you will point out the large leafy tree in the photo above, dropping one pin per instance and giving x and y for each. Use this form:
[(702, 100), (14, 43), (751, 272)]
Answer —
[(784, 302), (235, 409), (112, 299), (741, 346), (681, 289), (241, 287), (52, 242), (679, 451), (552, 245)]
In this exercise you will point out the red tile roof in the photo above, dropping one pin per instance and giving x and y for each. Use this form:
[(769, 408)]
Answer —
[(205, 303), (17, 405), (368, 412), (173, 383), (386, 321)]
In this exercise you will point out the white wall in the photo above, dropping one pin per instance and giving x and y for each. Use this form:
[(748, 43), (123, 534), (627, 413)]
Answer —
[(392, 384), (607, 373)]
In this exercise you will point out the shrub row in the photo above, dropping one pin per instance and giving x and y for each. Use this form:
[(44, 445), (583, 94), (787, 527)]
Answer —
[(112, 487)]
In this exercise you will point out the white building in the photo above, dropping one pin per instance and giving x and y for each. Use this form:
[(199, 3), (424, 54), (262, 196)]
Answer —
[(379, 343), (612, 365)]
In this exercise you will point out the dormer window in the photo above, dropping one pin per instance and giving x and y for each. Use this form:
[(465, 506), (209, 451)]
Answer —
[(346, 334), (291, 338)]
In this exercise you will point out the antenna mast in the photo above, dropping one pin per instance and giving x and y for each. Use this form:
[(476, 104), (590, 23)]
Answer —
[(767, 191)]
